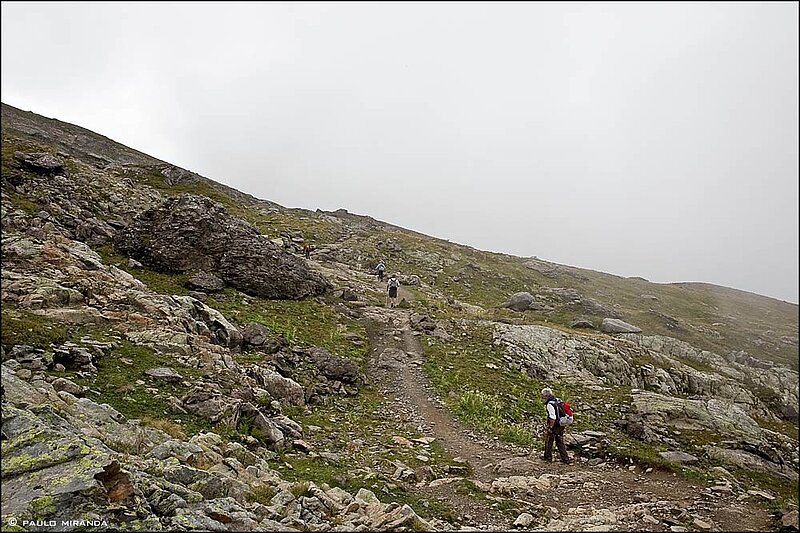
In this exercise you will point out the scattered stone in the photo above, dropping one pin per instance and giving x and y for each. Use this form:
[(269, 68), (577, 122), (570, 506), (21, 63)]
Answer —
[(523, 520), (164, 374), (515, 465), (615, 325), (302, 445), (701, 524), (678, 457), (66, 385), (402, 441), (789, 520), (650, 520)]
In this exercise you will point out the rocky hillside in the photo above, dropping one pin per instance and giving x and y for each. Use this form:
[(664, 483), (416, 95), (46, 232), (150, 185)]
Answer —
[(172, 361)]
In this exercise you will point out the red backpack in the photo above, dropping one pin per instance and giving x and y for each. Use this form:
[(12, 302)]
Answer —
[(564, 407)]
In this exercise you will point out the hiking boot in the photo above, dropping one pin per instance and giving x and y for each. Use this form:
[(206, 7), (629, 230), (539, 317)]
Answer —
[(543, 458), (568, 461)]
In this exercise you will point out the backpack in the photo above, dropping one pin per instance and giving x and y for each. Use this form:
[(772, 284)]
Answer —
[(381, 267), (563, 412), (394, 282)]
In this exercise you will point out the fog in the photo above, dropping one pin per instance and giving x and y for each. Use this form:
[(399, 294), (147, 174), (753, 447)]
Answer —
[(640, 139)]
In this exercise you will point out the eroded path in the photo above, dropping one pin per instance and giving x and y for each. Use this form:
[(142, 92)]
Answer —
[(577, 497)]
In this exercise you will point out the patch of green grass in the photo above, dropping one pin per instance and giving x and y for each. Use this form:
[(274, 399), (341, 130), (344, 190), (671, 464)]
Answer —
[(317, 229), (784, 489), (160, 282), (362, 418), (783, 427), (246, 426), (624, 448), (21, 327), (698, 365), (24, 203), (115, 380), (301, 489), (262, 494), (169, 427), (115, 384), (304, 323), (499, 401), (467, 487)]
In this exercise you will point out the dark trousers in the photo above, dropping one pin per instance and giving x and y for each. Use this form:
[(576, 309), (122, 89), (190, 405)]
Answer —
[(556, 434)]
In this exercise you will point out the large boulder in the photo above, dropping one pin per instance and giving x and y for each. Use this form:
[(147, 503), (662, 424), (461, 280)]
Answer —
[(205, 282), (190, 232), (39, 162), (521, 301)]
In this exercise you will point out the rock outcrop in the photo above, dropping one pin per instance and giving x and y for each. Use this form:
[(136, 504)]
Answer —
[(191, 233), (69, 459)]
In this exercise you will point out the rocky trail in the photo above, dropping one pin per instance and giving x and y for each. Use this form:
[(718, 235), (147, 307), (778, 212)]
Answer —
[(589, 495)]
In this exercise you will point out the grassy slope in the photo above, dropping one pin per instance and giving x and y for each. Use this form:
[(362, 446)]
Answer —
[(469, 275)]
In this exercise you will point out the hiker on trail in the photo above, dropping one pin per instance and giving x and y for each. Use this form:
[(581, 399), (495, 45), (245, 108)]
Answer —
[(392, 287), (380, 269), (553, 430), (307, 250)]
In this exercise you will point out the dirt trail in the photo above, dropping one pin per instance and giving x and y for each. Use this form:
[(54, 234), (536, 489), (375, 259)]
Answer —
[(415, 398), (397, 364)]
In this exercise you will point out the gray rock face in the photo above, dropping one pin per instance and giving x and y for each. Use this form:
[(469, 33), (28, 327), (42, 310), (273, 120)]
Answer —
[(190, 232), (337, 368), (614, 325), (412, 279), (255, 334), (677, 396), (164, 374), (46, 460), (203, 281), (581, 323), (284, 389), (66, 385), (41, 163), (210, 322), (175, 175), (521, 301), (678, 457)]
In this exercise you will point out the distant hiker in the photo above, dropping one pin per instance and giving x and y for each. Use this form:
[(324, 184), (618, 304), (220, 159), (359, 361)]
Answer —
[(553, 430), (380, 269), (307, 250), (392, 286)]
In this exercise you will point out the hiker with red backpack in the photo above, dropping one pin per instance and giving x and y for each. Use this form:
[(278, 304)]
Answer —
[(559, 415)]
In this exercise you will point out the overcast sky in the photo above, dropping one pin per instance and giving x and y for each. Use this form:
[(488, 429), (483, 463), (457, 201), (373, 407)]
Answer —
[(654, 139)]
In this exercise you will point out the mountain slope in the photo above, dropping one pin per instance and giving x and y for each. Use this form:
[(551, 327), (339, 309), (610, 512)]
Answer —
[(290, 406)]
